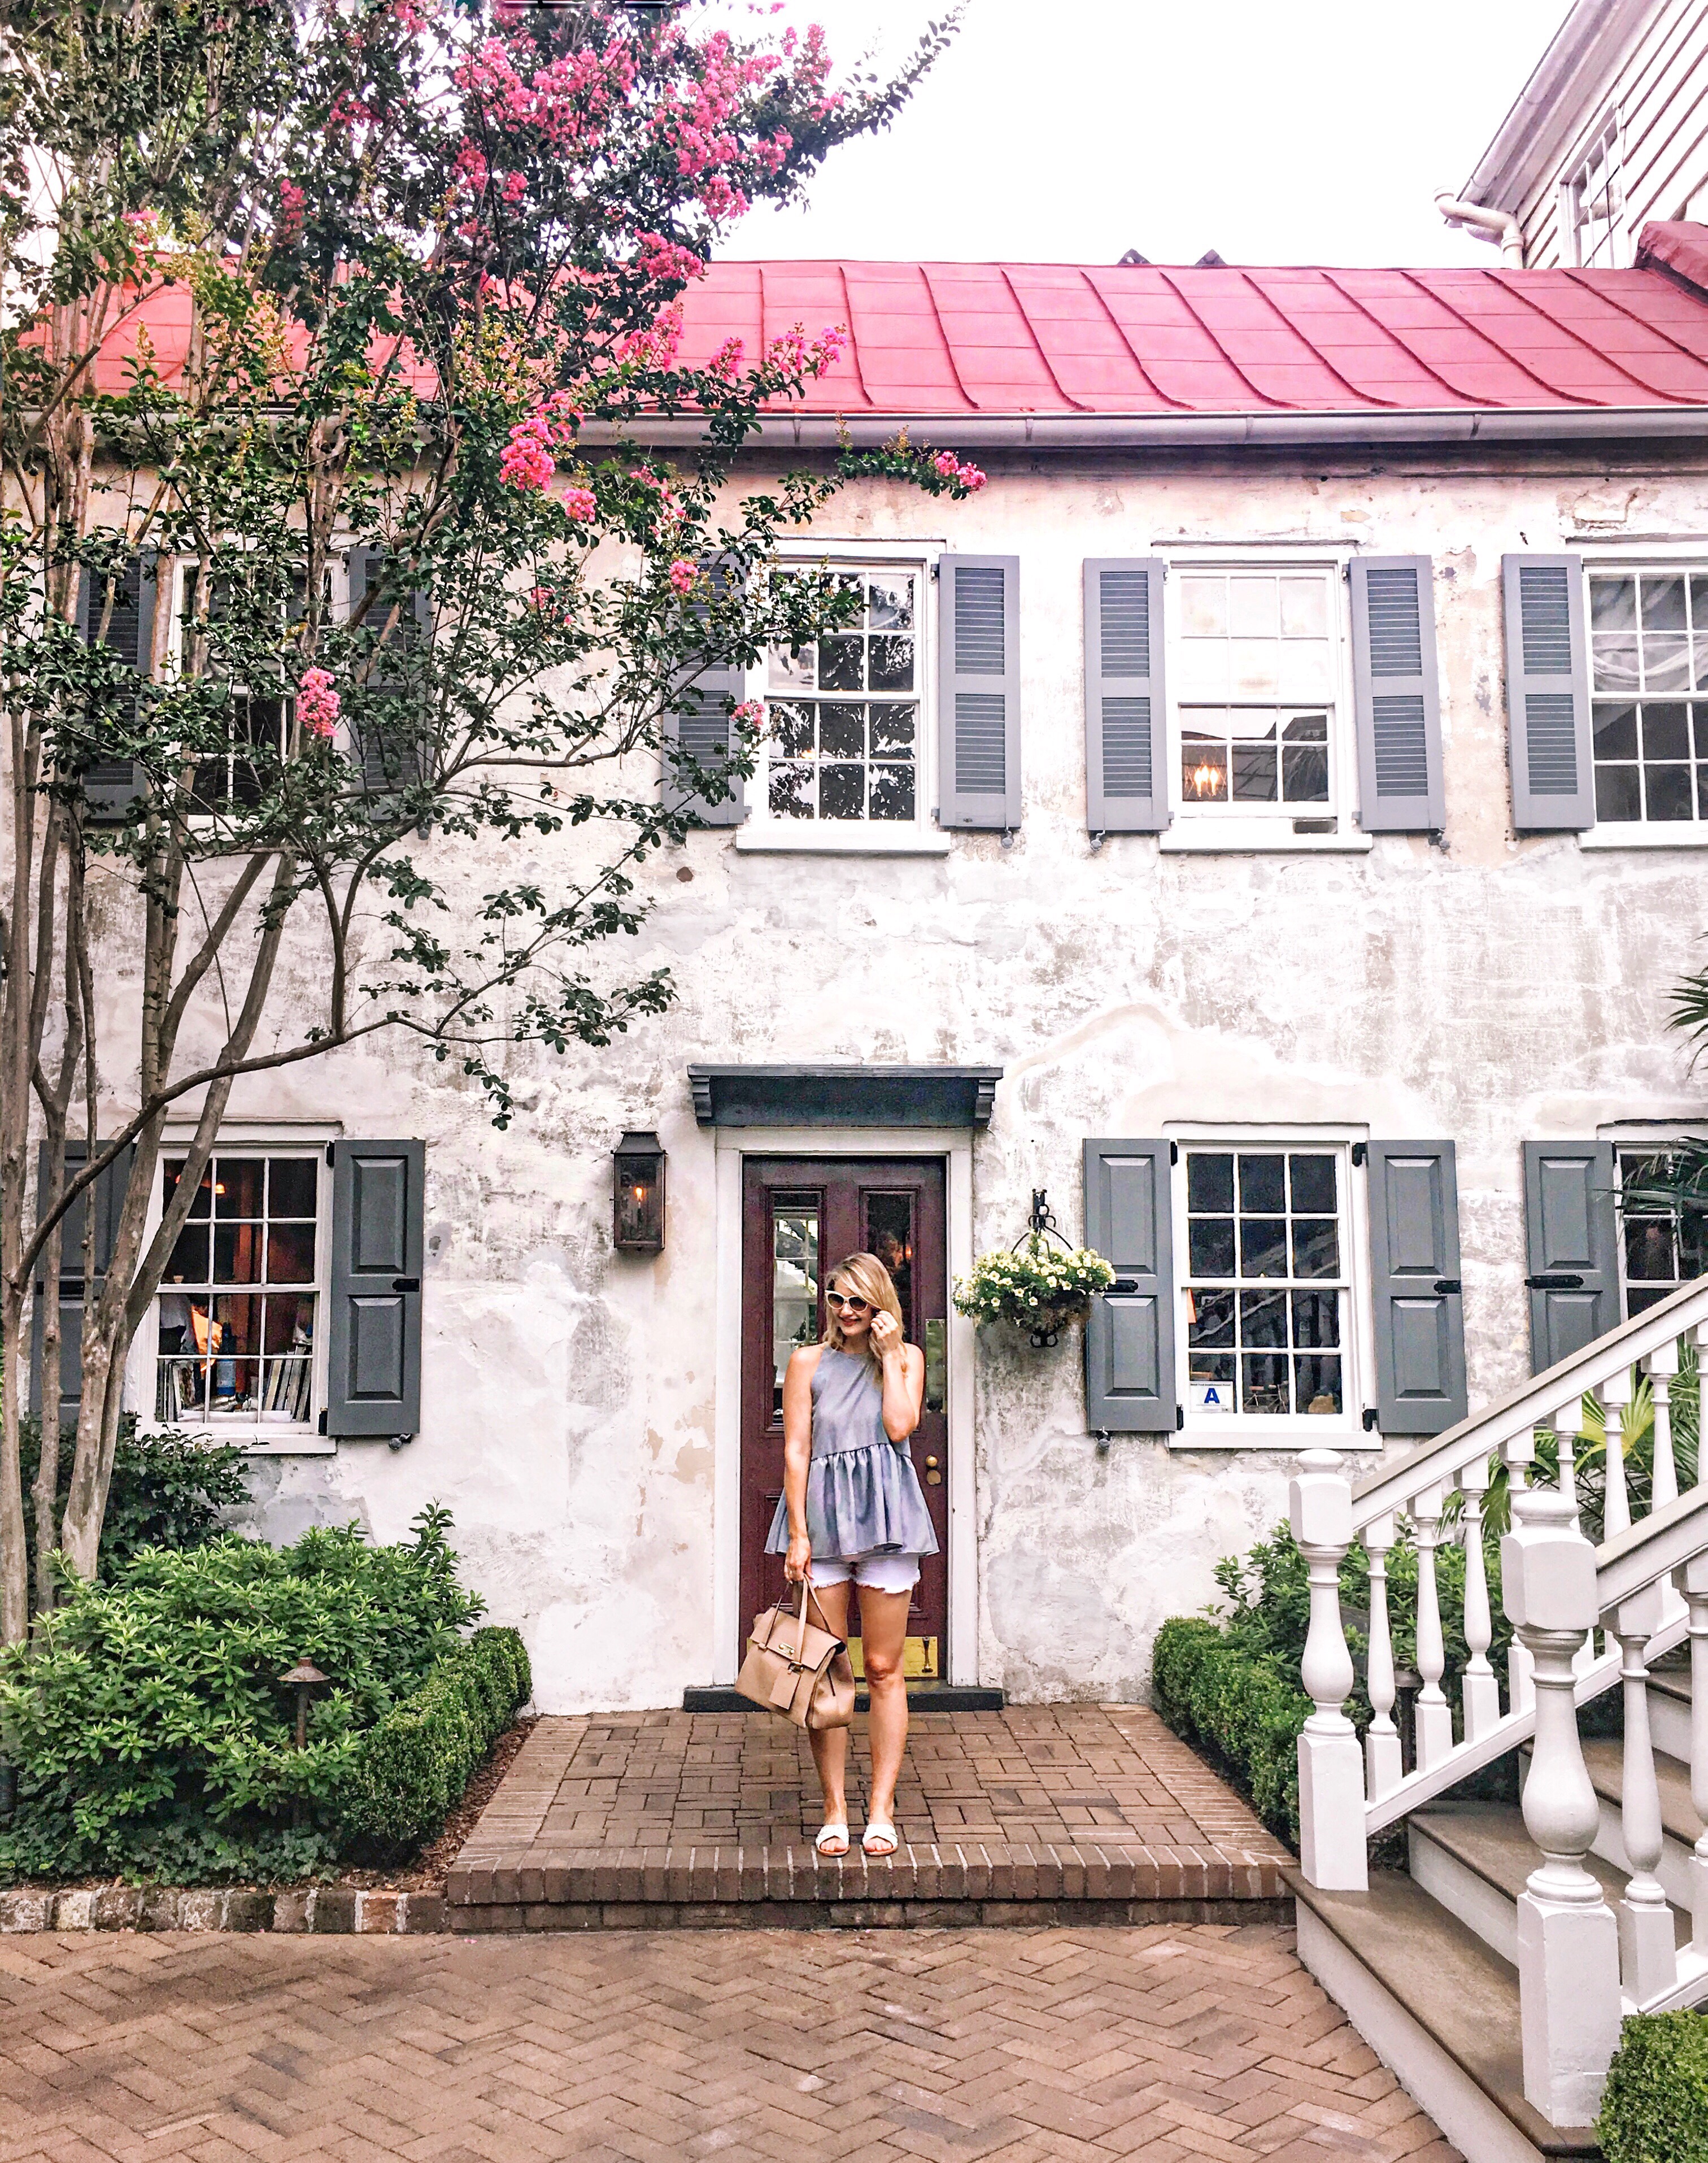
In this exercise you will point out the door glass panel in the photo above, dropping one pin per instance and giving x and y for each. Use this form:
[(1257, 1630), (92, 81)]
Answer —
[(889, 1235), (794, 1283)]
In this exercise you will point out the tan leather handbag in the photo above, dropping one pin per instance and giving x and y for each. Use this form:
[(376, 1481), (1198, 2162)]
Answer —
[(793, 1667)]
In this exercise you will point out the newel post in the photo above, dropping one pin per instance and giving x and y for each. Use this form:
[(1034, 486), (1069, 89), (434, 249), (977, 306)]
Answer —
[(1567, 1939), (1331, 1765)]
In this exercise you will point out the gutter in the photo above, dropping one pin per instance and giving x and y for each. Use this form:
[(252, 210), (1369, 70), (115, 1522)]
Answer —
[(1499, 226), (973, 432)]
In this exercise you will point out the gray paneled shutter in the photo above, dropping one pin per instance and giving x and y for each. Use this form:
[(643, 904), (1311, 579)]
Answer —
[(1129, 1335), (1415, 1288), (1396, 695), (112, 785), (699, 725), (1571, 1224), (389, 748), (979, 737), (109, 1199), (1126, 760), (373, 1329), (1547, 694)]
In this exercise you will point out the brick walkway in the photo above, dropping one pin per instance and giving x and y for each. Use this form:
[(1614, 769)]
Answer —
[(1039, 1803), (1012, 2047)]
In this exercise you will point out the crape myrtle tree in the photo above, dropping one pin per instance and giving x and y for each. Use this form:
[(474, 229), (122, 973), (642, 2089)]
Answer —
[(338, 583)]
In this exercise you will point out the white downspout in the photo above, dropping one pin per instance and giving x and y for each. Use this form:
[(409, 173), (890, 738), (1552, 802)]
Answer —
[(1495, 225)]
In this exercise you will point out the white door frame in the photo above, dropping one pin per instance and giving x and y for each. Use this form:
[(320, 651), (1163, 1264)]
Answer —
[(954, 1145)]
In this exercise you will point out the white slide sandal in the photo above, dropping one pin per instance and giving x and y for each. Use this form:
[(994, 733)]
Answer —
[(879, 1839)]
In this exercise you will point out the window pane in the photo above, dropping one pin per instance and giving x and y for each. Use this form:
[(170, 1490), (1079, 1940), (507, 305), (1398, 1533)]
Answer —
[(1316, 1319), (841, 791), (1263, 1318), (237, 1254), (1254, 772), (889, 1235), (1316, 1384), (1210, 1240), (792, 671), (237, 1185), (1666, 792), (1262, 1183), (1648, 1250), (792, 730), (1662, 603), (1203, 607), (1304, 608), (1666, 664), (1312, 1180), (1618, 794), (1209, 1181), (291, 1253), (892, 792), (1263, 1384), (1615, 731), (841, 731), (1616, 663), (202, 1206), (1613, 604), (842, 664), (1211, 1318), (791, 790), (292, 1185), (189, 1260), (1305, 776), (892, 662), (1263, 1246), (1203, 768), (794, 1285), (891, 603), (892, 729), (1252, 608), (1253, 668)]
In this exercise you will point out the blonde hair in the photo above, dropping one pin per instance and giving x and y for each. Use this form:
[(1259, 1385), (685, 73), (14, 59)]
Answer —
[(867, 1279)]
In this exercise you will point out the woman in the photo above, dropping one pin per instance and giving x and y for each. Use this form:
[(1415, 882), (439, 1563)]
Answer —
[(852, 1511)]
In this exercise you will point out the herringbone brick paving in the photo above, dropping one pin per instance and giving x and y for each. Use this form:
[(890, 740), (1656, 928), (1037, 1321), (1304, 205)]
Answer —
[(1171, 2043), (1037, 1802)]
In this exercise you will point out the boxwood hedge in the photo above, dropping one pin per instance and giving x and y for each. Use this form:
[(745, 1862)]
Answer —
[(1655, 2106)]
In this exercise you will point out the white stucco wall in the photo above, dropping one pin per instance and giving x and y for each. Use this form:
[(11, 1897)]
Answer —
[(1492, 991)]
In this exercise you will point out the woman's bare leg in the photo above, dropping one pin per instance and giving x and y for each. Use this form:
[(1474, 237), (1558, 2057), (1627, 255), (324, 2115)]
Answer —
[(829, 1603), (883, 1629)]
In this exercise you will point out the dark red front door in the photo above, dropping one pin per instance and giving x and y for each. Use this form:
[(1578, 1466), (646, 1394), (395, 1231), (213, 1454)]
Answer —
[(800, 1216)]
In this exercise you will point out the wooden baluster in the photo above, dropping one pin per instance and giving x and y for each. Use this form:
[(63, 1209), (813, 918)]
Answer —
[(1520, 1683), (1567, 1939), (1615, 1394), (1480, 1693), (1567, 1426), (1693, 1583), (1434, 1713), (1331, 1849), (1663, 1365), (1700, 1337), (1383, 1769), (1648, 1961)]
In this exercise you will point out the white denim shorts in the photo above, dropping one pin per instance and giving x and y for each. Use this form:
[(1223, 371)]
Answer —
[(879, 1573)]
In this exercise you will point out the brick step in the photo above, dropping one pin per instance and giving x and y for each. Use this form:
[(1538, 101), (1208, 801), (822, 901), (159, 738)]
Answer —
[(788, 1885)]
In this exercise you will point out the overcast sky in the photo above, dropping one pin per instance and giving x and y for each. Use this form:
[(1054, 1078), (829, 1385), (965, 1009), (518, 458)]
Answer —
[(1295, 131)]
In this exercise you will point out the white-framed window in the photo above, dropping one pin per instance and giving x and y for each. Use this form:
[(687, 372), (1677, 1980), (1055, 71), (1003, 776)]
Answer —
[(1648, 677), (1270, 1320), (236, 1322), (1262, 754), (848, 759), (1593, 202), (1663, 1244)]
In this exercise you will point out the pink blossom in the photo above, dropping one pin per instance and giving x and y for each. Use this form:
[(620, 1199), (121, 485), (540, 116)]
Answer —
[(515, 186), (751, 713), (666, 261), (317, 702), (526, 462), (952, 470), (292, 202), (683, 574), (580, 504)]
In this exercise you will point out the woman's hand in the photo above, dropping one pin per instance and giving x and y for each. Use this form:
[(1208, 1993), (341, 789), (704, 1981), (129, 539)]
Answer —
[(801, 1553), (886, 1334)]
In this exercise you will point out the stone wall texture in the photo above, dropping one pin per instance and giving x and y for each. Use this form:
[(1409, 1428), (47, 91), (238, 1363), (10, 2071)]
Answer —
[(1492, 989)]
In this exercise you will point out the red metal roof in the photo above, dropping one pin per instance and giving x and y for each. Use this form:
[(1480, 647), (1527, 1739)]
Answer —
[(962, 338)]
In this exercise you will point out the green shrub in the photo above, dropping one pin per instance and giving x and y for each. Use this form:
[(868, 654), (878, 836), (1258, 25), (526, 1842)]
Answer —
[(168, 1490), (1655, 2109), (150, 1733), (1241, 1705), (412, 1766)]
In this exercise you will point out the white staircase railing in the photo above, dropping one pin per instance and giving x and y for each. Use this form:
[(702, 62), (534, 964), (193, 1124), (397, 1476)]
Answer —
[(1580, 1965)]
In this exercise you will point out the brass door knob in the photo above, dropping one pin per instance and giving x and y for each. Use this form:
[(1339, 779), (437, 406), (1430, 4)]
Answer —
[(933, 1478)]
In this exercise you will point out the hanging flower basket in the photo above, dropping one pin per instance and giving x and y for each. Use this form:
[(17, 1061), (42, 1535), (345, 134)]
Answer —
[(1035, 1285)]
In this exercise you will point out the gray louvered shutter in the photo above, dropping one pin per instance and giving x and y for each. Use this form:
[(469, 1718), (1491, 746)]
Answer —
[(1547, 694), (389, 746), (108, 1192), (1396, 695), (698, 728), (373, 1326), (979, 781), (1571, 1224), (1126, 762), (112, 785), (1414, 1286), (1129, 1335)]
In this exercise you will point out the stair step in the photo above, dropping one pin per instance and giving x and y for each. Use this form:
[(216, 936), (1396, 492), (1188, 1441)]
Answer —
[(1669, 1711), (1438, 2007), (1473, 1858)]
